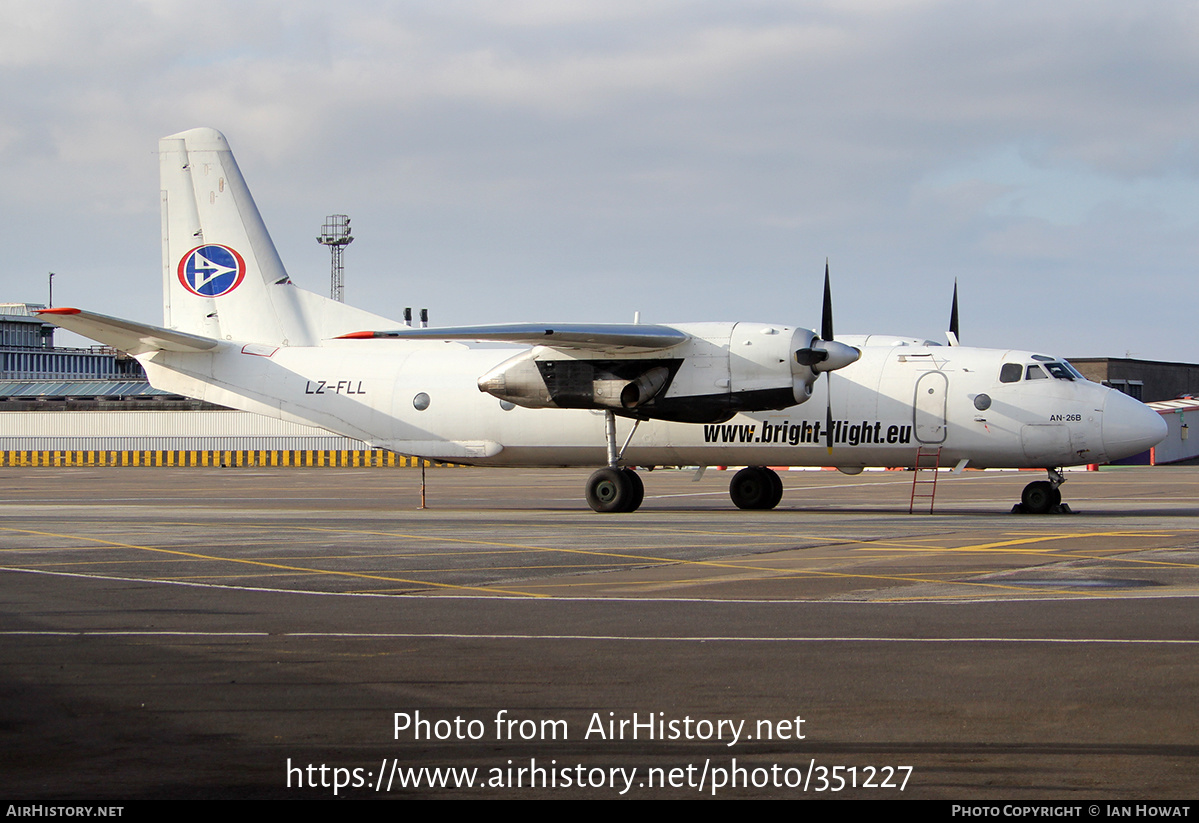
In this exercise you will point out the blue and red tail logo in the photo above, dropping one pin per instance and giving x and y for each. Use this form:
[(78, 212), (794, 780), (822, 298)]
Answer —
[(212, 270)]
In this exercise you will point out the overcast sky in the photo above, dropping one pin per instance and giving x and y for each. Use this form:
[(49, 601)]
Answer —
[(554, 160)]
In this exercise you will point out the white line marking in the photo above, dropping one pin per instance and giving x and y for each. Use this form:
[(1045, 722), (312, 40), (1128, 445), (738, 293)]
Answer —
[(604, 637), (964, 601)]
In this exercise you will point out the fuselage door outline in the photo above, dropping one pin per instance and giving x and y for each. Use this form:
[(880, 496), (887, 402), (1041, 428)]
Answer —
[(932, 390)]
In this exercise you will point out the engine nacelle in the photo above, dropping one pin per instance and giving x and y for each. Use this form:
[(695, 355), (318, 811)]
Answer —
[(518, 381), (543, 382), (763, 368), (723, 369)]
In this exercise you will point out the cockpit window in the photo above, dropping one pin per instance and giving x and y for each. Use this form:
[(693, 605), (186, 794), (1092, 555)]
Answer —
[(1059, 369), (1077, 374)]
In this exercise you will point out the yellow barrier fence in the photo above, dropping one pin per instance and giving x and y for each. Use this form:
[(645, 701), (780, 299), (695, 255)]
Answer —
[(346, 459)]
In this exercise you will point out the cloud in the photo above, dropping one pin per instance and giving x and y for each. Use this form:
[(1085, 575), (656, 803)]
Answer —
[(580, 160)]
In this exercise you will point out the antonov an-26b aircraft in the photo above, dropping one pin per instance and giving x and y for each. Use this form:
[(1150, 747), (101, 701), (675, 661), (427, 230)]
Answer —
[(237, 332)]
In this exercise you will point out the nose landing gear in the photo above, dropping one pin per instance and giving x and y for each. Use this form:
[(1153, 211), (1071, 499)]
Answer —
[(1043, 496)]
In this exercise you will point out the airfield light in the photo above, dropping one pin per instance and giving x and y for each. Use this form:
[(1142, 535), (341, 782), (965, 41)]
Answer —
[(335, 233)]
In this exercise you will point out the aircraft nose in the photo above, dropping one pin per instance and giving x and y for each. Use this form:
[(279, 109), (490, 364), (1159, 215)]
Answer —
[(1129, 426)]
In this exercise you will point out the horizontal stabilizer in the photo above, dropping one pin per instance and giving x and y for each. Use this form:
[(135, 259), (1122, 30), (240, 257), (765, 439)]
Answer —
[(589, 336), (126, 335)]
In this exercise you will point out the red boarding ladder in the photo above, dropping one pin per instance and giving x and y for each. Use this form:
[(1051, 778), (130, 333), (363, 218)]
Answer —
[(928, 460)]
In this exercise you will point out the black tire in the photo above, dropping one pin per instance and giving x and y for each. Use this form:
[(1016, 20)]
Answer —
[(638, 490), (609, 490), (776, 488), (1039, 497), (755, 488)]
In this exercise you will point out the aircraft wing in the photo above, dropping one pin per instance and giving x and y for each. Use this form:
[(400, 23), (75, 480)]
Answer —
[(126, 335), (589, 336)]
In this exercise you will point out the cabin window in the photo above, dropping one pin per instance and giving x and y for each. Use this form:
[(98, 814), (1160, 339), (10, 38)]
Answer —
[(1035, 373), (1011, 373)]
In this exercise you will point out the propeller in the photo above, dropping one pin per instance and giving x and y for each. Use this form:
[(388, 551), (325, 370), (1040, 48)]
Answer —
[(824, 354), (953, 335)]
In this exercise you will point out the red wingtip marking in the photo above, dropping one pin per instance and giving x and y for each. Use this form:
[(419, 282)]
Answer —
[(56, 311), (356, 335)]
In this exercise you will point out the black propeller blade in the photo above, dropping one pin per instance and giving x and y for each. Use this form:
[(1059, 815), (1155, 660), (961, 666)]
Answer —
[(824, 354), (826, 333), (810, 357), (828, 415), (826, 312), (955, 337)]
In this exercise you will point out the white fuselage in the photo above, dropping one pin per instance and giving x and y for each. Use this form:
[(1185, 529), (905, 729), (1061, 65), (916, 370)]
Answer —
[(422, 398)]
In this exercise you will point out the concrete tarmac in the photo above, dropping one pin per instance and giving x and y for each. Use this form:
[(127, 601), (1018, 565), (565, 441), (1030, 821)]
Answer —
[(248, 633)]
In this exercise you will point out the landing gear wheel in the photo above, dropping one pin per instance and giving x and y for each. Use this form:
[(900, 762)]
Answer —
[(776, 487), (614, 490), (638, 489), (1040, 497), (756, 487)]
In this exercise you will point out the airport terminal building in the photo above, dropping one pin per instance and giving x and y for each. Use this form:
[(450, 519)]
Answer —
[(1147, 380)]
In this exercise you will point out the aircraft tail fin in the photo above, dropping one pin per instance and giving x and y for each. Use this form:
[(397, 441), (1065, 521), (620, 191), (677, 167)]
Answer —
[(222, 276)]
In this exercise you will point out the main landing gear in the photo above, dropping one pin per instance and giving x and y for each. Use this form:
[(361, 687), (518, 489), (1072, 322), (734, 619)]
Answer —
[(615, 489), (1043, 496), (756, 487), (619, 489)]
